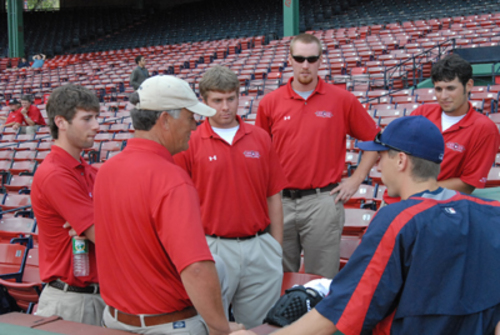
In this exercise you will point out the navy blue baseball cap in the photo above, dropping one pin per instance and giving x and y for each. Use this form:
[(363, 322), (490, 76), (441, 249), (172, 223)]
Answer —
[(413, 135)]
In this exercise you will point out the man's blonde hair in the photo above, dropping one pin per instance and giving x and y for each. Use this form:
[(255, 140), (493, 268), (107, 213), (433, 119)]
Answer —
[(219, 79), (306, 39)]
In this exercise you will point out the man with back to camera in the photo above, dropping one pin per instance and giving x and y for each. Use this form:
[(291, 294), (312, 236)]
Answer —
[(471, 138), (426, 265), (156, 271), (62, 196), (238, 177), (308, 120), (140, 73)]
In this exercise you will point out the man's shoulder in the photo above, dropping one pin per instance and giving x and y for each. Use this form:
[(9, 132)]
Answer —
[(484, 122)]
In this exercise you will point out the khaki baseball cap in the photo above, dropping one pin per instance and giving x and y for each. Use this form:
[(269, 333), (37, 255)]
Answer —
[(161, 93)]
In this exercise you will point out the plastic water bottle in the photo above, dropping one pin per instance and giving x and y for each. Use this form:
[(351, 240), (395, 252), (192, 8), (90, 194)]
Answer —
[(80, 256)]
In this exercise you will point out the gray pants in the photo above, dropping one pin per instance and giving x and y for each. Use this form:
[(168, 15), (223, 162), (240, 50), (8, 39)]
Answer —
[(314, 224), (192, 326), (255, 275), (78, 307)]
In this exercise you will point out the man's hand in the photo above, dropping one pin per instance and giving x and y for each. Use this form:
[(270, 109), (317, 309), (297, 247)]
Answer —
[(346, 189), (24, 111), (233, 326), (71, 231), (243, 332), (16, 126)]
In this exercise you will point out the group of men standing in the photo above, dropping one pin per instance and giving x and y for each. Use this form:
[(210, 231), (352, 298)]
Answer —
[(188, 220)]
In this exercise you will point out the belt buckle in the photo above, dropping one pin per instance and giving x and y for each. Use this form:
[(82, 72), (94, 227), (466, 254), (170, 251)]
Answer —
[(295, 194)]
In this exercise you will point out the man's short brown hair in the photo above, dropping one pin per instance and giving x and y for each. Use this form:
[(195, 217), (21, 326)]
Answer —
[(219, 79), (65, 100), (421, 169), (306, 39)]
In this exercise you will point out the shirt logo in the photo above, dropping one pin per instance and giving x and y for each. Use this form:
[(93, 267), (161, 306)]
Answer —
[(179, 324), (324, 114), (286, 118), (251, 154), (212, 158), (450, 210), (455, 147), (483, 180)]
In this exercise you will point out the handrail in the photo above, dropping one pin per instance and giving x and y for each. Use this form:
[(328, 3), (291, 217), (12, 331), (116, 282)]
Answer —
[(397, 68)]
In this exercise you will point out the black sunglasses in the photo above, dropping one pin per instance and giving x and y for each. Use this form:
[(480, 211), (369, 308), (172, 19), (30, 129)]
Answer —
[(310, 59), (378, 141)]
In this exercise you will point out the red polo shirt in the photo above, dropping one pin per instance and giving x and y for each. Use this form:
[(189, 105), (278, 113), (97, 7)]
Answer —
[(34, 114), (14, 116), (470, 146), (62, 192), (233, 181), (148, 230), (310, 135)]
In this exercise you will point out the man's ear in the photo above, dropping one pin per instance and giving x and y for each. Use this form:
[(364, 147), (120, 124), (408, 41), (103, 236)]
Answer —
[(403, 161), (61, 122), (165, 119)]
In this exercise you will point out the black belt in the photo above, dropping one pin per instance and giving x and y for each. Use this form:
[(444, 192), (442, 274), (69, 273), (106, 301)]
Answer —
[(240, 238), (297, 194), (94, 288)]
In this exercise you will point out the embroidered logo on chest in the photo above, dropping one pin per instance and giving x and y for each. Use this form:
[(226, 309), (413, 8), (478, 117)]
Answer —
[(455, 147), (324, 114), (251, 154), (212, 158)]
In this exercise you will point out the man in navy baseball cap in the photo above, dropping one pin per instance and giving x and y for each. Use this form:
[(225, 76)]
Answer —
[(425, 264), (409, 140)]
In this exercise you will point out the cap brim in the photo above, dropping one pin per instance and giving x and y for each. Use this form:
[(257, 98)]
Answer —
[(372, 146), (202, 109)]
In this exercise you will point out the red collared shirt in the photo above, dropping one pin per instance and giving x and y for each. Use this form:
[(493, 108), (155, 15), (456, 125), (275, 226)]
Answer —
[(310, 135), (14, 116), (148, 230), (233, 181), (62, 191), (470, 146), (34, 114)]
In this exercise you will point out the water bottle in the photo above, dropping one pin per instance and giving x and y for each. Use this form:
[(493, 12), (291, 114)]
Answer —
[(80, 256)]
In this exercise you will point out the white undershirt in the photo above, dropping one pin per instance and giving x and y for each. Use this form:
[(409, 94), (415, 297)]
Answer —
[(227, 134), (304, 95), (448, 121)]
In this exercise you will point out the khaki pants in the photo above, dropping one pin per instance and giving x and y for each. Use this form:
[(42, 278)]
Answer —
[(255, 275), (192, 326), (71, 306), (314, 224)]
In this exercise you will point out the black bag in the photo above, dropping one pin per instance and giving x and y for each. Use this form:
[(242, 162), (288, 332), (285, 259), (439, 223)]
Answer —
[(7, 303), (296, 302)]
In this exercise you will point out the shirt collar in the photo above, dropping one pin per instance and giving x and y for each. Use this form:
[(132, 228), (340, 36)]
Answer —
[(319, 89), (65, 158), (469, 118), (142, 144), (207, 131)]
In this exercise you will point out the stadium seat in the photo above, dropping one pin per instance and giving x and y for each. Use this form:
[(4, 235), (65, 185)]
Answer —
[(357, 220)]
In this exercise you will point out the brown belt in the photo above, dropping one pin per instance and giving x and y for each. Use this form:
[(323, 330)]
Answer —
[(153, 320)]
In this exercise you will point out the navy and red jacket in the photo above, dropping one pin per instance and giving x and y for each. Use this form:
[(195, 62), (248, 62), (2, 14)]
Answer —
[(426, 265)]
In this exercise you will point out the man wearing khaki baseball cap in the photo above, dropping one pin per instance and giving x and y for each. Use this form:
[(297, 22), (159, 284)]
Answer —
[(156, 272)]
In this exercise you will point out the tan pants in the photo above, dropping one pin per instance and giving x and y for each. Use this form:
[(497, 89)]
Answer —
[(192, 326), (78, 307), (314, 224), (255, 273)]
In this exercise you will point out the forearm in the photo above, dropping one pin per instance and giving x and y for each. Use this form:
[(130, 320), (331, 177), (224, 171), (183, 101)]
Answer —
[(276, 216), (368, 160), (90, 233), (202, 285), (457, 184), (28, 120), (311, 323)]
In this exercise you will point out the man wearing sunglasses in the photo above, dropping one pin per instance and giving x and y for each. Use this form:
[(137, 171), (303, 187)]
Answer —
[(426, 265), (471, 138), (309, 120)]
